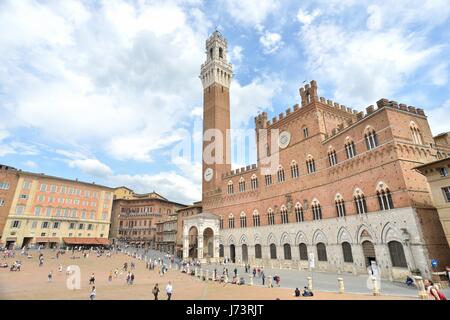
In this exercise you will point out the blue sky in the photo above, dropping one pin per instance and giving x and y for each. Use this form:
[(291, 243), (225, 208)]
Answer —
[(106, 91)]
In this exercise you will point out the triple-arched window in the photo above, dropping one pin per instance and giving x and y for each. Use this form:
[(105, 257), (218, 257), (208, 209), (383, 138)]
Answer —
[(256, 219), (332, 158), (340, 206), (280, 174), (371, 138), (316, 210), (270, 217), (243, 220), (310, 164), (415, 133), (254, 182), (384, 197), (231, 221), (299, 213), (294, 169), (241, 184), (284, 215), (360, 201), (230, 187), (350, 149)]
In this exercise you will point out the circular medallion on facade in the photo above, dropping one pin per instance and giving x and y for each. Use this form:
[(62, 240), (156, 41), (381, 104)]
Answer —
[(284, 139), (209, 172)]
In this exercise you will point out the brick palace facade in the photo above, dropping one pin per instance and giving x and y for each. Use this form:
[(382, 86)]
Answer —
[(344, 192)]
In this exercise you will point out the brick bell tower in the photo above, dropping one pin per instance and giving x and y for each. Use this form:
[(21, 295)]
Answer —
[(216, 74)]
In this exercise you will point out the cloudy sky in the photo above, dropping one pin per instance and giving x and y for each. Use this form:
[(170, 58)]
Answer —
[(108, 91)]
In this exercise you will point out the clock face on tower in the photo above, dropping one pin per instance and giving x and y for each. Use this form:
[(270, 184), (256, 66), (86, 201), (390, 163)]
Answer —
[(284, 139), (209, 172)]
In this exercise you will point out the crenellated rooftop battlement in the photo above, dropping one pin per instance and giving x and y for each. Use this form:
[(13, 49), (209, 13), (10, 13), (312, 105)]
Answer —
[(308, 95), (238, 171)]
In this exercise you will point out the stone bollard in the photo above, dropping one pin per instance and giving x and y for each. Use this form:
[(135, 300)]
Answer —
[(251, 280), (196, 271), (310, 284), (170, 266), (225, 279), (270, 281), (375, 289), (341, 285), (201, 274), (213, 276), (207, 275), (422, 293), (188, 270)]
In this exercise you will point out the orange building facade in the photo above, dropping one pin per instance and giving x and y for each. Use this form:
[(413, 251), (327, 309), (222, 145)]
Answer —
[(52, 211)]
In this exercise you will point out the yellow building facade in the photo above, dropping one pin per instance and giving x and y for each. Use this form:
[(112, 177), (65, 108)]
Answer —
[(438, 177), (52, 211)]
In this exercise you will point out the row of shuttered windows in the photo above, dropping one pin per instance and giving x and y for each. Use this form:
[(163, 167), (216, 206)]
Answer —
[(396, 252)]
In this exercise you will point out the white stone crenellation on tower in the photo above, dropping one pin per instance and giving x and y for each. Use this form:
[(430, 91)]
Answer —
[(216, 69)]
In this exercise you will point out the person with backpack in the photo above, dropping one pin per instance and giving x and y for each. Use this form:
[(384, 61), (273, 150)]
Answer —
[(155, 291), (433, 292)]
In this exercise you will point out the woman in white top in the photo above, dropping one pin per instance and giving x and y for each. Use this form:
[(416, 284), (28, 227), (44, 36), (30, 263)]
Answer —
[(93, 293)]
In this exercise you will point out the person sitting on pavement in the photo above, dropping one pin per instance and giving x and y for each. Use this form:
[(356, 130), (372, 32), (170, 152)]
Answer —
[(409, 281), (297, 292), (307, 292)]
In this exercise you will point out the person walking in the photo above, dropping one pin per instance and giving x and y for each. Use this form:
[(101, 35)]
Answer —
[(50, 276), (132, 278), (93, 293), (169, 291), (92, 279), (433, 292), (263, 277), (110, 276), (155, 291), (254, 272)]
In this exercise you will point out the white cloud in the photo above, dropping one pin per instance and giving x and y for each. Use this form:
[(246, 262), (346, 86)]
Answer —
[(248, 100), (271, 41), (438, 74), (91, 167), (363, 65), (31, 164), (435, 117), (374, 20), (169, 184), (235, 55), (307, 18), (250, 12), (118, 76)]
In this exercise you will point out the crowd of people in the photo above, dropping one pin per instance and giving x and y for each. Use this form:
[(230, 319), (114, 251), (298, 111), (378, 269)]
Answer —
[(161, 265)]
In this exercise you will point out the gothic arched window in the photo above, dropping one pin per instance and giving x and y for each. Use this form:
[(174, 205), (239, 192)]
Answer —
[(284, 215)]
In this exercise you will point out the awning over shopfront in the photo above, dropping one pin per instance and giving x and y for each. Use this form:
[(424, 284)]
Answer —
[(47, 239), (86, 241)]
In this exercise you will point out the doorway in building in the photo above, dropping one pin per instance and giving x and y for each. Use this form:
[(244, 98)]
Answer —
[(208, 243), (26, 241), (233, 253), (369, 253), (244, 253), (10, 245), (193, 242)]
